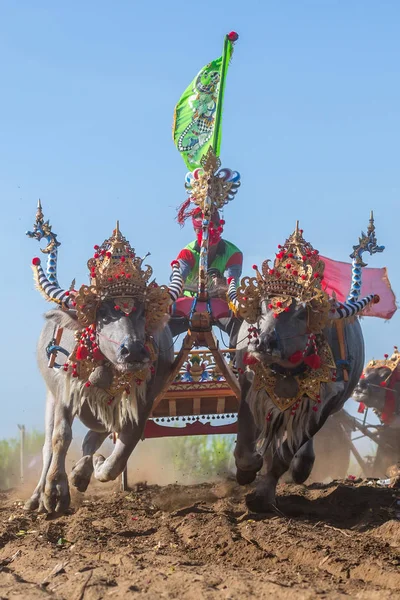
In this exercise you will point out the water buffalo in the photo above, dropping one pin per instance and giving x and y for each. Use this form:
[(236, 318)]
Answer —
[(286, 356), (379, 389), (120, 353)]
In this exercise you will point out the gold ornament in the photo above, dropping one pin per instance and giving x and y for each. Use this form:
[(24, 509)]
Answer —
[(308, 384), (297, 274), (116, 273), (390, 363), (209, 184)]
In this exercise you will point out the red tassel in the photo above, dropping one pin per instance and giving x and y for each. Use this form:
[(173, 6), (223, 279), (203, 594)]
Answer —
[(81, 353), (313, 361), (249, 360), (296, 357)]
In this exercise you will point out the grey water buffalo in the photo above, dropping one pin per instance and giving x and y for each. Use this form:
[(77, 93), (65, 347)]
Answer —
[(120, 353), (379, 389), (286, 356)]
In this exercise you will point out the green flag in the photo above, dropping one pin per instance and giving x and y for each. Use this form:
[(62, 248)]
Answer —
[(197, 118)]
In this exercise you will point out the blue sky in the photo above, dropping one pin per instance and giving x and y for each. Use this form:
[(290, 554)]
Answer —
[(311, 121)]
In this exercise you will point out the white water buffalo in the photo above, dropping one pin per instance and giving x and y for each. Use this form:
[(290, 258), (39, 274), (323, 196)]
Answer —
[(286, 356), (121, 351)]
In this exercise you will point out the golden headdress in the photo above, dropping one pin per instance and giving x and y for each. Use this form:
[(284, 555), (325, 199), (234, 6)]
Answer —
[(297, 274)]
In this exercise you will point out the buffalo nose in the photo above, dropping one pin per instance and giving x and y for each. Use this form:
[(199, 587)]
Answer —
[(133, 351)]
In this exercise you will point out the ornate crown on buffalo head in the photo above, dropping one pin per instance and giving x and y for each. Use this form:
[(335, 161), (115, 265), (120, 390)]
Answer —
[(297, 274), (390, 363), (116, 273)]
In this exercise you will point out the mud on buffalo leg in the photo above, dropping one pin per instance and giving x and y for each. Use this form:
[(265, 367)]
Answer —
[(248, 461), (56, 492), (82, 471), (36, 500)]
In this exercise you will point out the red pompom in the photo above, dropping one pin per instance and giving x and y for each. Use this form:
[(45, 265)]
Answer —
[(222, 222), (287, 309), (304, 277), (248, 359), (288, 266), (97, 355), (88, 384), (295, 273), (296, 357), (108, 254), (313, 361), (279, 304), (96, 247), (383, 384), (81, 353), (230, 279), (175, 263), (233, 36), (122, 258), (96, 255), (271, 272), (36, 261), (254, 267), (270, 306), (386, 355), (290, 255), (116, 307)]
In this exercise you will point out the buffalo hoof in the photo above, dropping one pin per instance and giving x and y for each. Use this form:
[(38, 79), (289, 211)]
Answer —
[(301, 468), (56, 497), (245, 477), (33, 502), (259, 503), (81, 473)]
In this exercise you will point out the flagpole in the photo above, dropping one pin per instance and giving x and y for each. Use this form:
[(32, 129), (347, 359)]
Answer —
[(229, 39), (207, 208)]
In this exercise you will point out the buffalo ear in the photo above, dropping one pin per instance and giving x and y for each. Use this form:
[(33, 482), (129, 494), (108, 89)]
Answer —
[(68, 319)]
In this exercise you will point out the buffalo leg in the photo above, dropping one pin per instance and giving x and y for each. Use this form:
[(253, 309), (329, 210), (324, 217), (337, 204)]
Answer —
[(36, 500), (109, 469), (56, 496), (264, 497), (82, 471), (303, 462), (248, 461)]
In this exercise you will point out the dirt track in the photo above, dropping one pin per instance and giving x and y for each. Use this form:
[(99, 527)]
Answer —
[(199, 541)]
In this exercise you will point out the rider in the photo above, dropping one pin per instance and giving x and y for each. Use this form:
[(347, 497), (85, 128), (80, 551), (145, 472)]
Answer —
[(224, 260)]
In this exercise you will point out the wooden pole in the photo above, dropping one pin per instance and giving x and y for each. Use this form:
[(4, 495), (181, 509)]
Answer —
[(57, 341), (22, 452), (342, 345)]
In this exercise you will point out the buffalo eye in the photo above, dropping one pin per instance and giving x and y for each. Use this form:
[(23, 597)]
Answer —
[(302, 314)]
